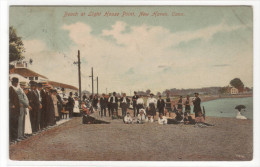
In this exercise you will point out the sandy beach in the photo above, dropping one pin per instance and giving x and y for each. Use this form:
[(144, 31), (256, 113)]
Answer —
[(230, 139)]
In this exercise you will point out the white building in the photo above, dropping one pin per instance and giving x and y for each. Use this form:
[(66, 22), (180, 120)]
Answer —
[(233, 91)]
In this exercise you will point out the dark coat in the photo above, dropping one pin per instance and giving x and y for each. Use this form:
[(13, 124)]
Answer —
[(111, 99), (160, 104), (14, 111), (50, 110), (127, 102), (134, 98), (103, 102), (71, 102), (44, 101), (196, 104), (35, 105)]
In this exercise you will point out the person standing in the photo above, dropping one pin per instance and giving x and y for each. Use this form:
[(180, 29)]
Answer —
[(103, 105), (35, 105), (109, 105), (24, 103), (50, 115), (123, 103), (168, 104), (14, 110), (134, 100), (84, 97), (59, 104), (43, 121), (151, 102), (161, 105), (70, 105), (114, 102), (95, 102), (27, 123), (55, 103), (139, 103), (38, 91), (196, 103), (187, 105), (180, 105)]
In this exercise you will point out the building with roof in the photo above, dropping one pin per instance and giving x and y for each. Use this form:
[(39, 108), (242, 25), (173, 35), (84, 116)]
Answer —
[(66, 89), (22, 70)]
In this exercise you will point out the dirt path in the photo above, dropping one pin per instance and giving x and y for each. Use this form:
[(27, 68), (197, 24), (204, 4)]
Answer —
[(230, 139)]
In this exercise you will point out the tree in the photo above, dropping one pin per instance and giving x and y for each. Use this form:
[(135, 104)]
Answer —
[(237, 83), (223, 90), (16, 47)]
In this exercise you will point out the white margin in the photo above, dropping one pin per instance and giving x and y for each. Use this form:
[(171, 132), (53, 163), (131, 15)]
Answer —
[(4, 22)]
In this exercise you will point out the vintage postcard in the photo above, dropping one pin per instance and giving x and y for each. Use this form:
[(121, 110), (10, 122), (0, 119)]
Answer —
[(131, 83)]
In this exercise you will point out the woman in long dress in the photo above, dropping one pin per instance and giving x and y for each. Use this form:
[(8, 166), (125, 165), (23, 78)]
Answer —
[(50, 108), (27, 122), (55, 103), (27, 125)]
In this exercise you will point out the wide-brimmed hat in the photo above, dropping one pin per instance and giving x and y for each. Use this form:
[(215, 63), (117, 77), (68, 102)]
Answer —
[(15, 80), (27, 87), (23, 83), (33, 83), (151, 94)]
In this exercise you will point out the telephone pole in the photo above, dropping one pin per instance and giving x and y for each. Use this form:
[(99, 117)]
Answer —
[(97, 85), (79, 77), (92, 75), (92, 81)]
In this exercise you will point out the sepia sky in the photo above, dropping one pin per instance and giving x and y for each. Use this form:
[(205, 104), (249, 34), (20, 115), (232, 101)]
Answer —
[(207, 46)]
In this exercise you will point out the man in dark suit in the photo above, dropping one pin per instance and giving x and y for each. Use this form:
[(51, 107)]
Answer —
[(196, 103), (114, 103), (35, 105), (123, 104), (160, 105), (14, 110), (103, 105), (43, 121), (134, 98), (70, 105)]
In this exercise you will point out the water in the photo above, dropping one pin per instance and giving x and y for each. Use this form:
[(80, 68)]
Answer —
[(226, 107)]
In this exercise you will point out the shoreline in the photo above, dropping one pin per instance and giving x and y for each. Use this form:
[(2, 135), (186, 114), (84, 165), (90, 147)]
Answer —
[(210, 98)]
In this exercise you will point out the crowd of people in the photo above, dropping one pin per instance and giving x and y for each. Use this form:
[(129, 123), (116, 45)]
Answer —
[(108, 105), (35, 107)]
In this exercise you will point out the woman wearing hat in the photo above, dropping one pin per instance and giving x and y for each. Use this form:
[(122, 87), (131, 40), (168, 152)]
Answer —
[(55, 103), (151, 102)]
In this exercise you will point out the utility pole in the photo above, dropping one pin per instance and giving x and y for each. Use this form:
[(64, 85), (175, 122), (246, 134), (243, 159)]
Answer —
[(92, 81), (79, 77), (97, 85)]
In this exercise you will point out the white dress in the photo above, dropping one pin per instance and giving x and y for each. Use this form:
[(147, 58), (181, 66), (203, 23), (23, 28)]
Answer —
[(27, 126), (239, 116)]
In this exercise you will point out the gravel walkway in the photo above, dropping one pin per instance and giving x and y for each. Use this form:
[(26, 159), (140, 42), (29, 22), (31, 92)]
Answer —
[(229, 139)]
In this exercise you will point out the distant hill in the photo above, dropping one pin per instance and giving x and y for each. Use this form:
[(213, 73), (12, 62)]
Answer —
[(205, 91)]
